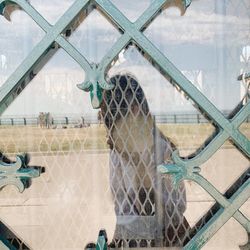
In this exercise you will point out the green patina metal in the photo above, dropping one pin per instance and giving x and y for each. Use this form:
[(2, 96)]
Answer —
[(20, 175), (95, 81), (5, 245), (102, 241), (17, 174)]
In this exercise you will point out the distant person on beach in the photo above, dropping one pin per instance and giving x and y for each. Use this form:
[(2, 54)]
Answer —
[(41, 119), (39, 122), (83, 121), (48, 120)]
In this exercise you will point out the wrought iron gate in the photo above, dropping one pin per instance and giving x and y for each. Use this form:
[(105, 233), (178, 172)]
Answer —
[(227, 128)]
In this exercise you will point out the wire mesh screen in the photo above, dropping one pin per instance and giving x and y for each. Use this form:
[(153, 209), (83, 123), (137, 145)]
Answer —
[(141, 195), (101, 165)]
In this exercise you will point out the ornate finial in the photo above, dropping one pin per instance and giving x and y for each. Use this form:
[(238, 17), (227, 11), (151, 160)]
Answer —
[(102, 242), (178, 171), (95, 83), (18, 173)]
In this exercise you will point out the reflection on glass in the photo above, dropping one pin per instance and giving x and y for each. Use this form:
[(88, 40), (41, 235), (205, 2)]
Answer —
[(16, 41), (209, 45)]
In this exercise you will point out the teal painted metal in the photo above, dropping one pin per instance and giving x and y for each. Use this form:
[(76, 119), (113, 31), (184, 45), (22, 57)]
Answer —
[(102, 241), (229, 208), (95, 82), (5, 245), (17, 174)]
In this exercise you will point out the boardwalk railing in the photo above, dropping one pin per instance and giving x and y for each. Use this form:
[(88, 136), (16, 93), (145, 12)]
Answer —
[(186, 118)]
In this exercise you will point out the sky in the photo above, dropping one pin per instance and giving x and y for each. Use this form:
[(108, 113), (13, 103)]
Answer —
[(210, 44)]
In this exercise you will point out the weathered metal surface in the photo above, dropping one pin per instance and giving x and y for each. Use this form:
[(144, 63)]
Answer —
[(4, 245), (95, 82), (216, 207), (8, 240), (229, 208), (17, 174), (102, 241)]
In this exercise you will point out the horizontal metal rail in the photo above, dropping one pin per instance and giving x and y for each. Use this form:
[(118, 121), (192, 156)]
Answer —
[(173, 118)]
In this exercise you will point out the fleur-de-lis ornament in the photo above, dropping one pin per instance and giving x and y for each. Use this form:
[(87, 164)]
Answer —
[(95, 83)]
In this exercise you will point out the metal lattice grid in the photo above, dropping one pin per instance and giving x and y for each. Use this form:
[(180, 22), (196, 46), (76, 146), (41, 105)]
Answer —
[(227, 128), (137, 147)]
